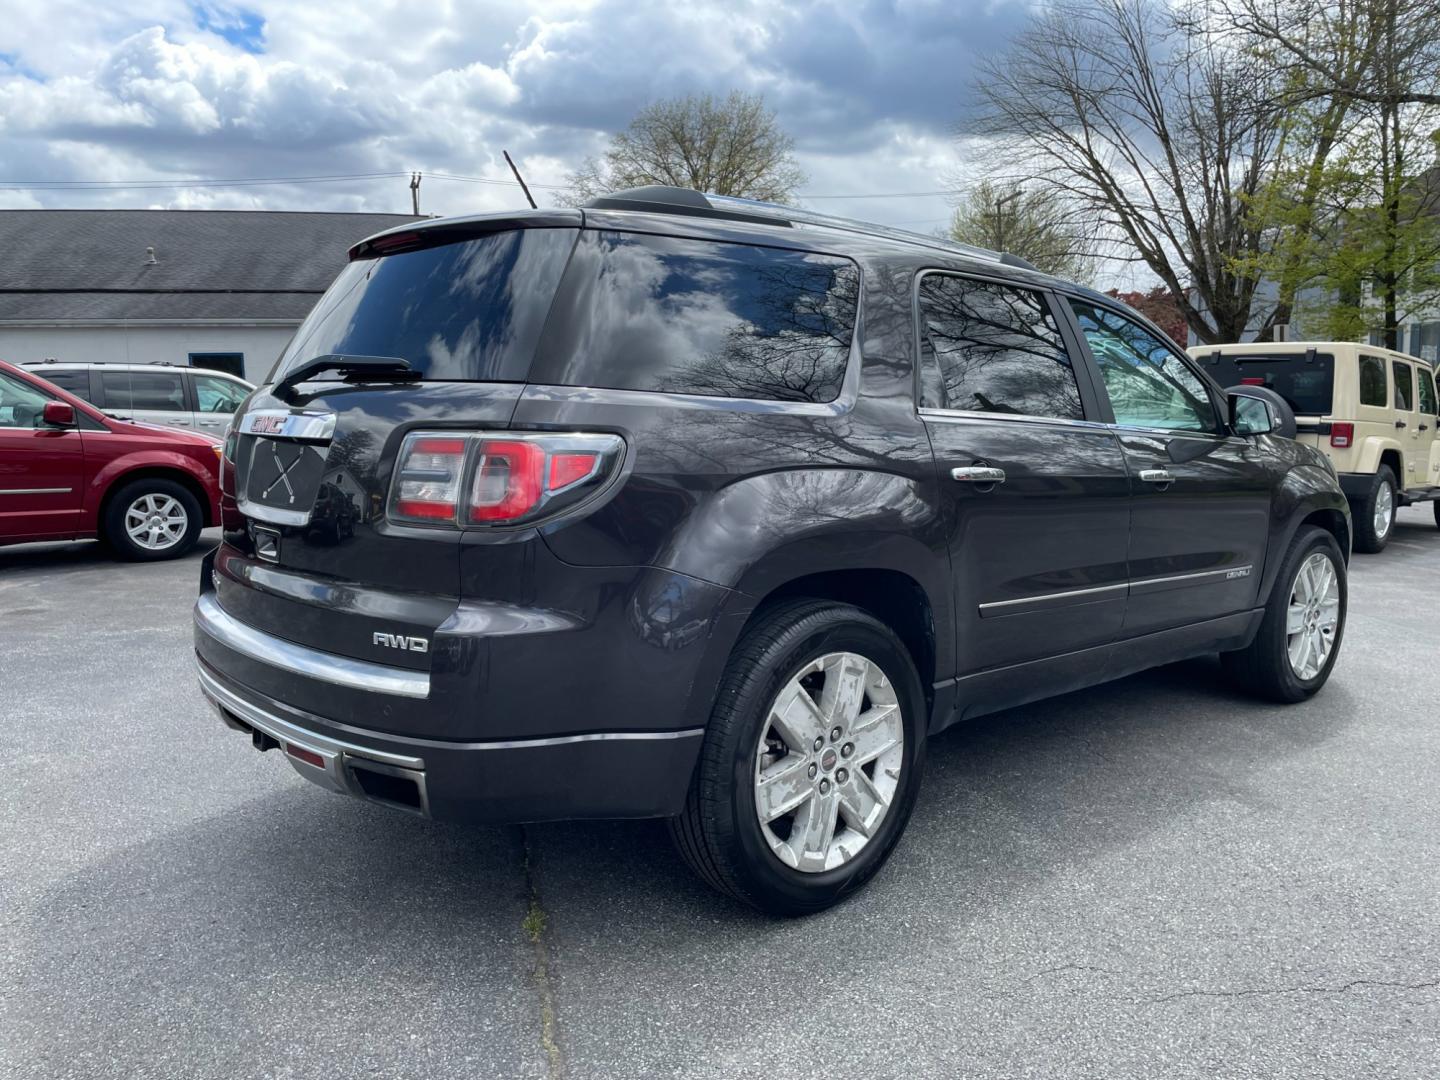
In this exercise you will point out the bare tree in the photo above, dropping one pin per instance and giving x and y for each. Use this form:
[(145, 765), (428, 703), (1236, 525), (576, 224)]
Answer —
[(727, 146), (1038, 224), (1160, 130)]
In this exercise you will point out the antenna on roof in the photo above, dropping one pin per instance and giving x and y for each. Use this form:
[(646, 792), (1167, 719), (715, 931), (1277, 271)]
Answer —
[(415, 193), (523, 186), (150, 259)]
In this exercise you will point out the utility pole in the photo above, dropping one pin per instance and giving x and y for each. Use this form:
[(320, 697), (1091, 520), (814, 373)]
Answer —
[(1000, 218), (415, 193), (523, 187)]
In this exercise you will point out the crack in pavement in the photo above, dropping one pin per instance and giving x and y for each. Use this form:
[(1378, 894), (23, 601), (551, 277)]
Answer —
[(534, 927), (1263, 991)]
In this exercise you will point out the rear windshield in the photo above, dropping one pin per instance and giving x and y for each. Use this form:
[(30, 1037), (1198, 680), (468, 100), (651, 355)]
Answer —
[(677, 316), (1306, 381), (471, 311)]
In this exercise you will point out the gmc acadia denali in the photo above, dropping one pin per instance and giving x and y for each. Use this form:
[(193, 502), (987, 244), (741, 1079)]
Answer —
[(690, 507)]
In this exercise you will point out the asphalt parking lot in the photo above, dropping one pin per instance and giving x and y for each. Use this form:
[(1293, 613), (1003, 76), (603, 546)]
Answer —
[(1151, 878)]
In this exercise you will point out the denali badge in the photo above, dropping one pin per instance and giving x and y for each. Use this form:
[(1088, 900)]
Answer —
[(400, 641), (1244, 571)]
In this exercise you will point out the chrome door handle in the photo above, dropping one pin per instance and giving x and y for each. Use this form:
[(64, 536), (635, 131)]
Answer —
[(1156, 476), (979, 474)]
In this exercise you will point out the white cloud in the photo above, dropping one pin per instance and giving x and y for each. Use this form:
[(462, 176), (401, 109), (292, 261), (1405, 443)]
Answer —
[(165, 88)]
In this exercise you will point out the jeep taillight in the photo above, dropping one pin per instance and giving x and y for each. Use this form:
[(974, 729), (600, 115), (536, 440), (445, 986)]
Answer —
[(461, 479), (1341, 435)]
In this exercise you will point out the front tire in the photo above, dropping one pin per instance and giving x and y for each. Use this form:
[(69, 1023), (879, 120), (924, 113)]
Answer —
[(1304, 623), (811, 763), (151, 519), (1375, 515)]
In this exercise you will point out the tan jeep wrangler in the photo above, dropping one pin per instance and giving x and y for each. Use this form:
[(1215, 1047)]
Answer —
[(1371, 410)]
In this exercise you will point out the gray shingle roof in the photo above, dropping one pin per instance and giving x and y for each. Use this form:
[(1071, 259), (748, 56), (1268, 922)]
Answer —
[(218, 264)]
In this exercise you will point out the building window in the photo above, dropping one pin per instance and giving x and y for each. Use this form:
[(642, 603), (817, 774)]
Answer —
[(232, 362)]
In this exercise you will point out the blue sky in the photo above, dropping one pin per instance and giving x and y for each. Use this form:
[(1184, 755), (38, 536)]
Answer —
[(173, 89)]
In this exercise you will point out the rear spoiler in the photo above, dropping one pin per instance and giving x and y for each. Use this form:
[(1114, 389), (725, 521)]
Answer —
[(438, 231)]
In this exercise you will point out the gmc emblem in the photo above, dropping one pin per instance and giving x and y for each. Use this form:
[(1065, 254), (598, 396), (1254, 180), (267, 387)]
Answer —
[(400, 641), (267, 425)]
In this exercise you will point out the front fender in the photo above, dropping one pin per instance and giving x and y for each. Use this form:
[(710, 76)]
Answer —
[(116, 470), (1305, 490)]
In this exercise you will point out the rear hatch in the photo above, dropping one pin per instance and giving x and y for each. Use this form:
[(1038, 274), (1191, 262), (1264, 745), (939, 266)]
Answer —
[(315, 558), (1305, 378)]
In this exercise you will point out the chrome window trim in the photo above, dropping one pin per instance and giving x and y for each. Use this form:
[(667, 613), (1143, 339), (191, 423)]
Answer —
[(956, 415), (352, 674), (35, 491), (1129, 587)]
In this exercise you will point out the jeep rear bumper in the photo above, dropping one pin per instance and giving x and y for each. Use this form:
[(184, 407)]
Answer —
[(594, 775)]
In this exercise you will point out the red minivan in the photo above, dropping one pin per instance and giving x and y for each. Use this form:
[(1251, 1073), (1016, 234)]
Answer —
[(69, 472)]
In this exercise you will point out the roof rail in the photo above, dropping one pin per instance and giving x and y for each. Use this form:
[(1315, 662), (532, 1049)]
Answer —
[(678, 200)]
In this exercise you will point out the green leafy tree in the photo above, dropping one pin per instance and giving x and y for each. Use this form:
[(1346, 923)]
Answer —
[(727, 146)]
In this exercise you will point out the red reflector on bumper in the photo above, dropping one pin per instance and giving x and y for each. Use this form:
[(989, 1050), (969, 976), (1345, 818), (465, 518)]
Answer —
[(307, 756)]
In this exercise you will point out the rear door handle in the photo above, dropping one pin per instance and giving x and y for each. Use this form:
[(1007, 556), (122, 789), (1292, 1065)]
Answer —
[(1399, 423), (979, 474), (1156, 476)]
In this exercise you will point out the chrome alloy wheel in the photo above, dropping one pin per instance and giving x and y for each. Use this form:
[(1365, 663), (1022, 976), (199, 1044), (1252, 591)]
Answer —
[(156, 522), (828, 764), (1384, 509), (1313, 616)]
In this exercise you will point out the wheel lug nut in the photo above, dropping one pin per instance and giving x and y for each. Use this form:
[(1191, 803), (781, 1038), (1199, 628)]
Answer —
[(819, 742), (847, 749), (842, 776), (835, 734), (824, 787), (813, 770)]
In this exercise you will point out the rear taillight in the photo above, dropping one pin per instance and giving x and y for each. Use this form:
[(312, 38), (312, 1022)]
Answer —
[(1341, 435), (460, 479)]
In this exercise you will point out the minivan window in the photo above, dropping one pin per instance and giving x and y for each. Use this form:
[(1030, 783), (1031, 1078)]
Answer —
[(1404, 386), (1149, 385), (1427, 393), (681, 316), (143, 390), (1306, 380), (21, 405), (218, 395), (468, 311), (997, 349), (1372, 381)]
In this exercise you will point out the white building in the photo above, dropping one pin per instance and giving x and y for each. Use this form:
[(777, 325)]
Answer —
[(209, 288)]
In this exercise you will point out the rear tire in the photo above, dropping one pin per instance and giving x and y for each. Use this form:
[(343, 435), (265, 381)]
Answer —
[(1268, 666), (1371, 535), (152, 519), (806, 670)]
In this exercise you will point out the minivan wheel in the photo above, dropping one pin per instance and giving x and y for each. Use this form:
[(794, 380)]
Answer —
[(1304, 622), (151, 519), (1375, 518), (811, 762)]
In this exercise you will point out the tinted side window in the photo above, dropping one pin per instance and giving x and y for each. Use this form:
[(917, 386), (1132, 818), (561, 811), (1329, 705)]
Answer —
[(1427, 393), (997, 349), (1404, 386), (77, 382), (1372, 381), (158, 391), (1149, 385), (700, 317)]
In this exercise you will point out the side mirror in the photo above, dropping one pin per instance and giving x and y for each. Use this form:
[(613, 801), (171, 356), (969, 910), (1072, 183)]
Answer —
[(1258, 410), (58, 414)]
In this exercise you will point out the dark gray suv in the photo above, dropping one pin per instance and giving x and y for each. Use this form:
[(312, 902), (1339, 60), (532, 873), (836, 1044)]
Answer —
[(679, 506)]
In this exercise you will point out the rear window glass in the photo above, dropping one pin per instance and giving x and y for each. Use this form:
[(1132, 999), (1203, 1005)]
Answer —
[(700, 317), (470, 311), (77, 382), (1372, 381), (1306, 382)]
